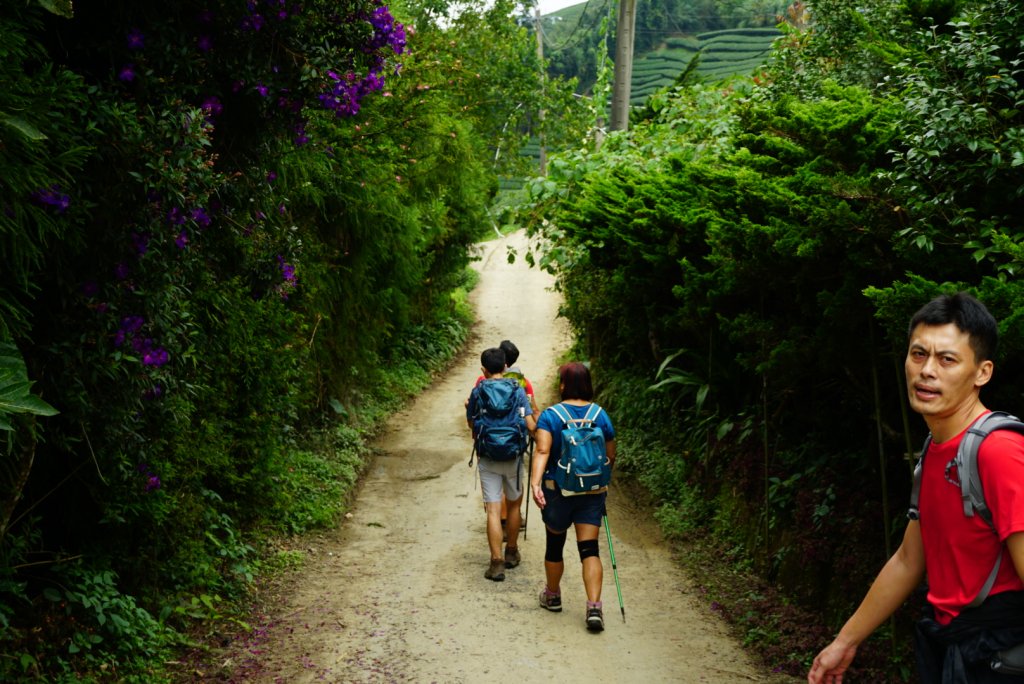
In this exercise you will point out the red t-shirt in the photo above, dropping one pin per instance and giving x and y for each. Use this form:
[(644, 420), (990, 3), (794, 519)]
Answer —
[(960, 551)]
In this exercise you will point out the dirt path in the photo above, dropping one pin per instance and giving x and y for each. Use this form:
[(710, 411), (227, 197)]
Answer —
[(397, 593)]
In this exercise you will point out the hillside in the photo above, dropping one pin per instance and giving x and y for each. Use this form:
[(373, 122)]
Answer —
[(725, 53), (727, 45)]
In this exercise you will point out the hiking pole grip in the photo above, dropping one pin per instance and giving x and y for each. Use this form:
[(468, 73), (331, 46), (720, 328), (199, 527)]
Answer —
[(615, 569)]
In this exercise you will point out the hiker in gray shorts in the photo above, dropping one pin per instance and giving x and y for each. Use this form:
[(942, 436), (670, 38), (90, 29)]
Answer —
[(504, 474)]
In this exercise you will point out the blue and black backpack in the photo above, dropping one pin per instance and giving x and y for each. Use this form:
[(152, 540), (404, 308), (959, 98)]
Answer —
[(583, 466), (500, 430)]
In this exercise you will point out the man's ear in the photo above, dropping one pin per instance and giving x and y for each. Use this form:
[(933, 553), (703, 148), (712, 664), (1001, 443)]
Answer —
[(985, 369)]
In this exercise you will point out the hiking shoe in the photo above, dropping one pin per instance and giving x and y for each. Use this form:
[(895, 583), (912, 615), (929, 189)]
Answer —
[(512, 557), (496, 570), (595, 619), (549, 601)]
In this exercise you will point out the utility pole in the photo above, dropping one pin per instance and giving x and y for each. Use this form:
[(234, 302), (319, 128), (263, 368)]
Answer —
[(543, 78), (624, 35)]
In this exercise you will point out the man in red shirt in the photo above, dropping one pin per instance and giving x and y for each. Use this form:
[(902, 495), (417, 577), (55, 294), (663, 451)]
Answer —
[(949, 359)]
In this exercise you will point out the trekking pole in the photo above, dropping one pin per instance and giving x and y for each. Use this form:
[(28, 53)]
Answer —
[(529, 469), (615, 571)]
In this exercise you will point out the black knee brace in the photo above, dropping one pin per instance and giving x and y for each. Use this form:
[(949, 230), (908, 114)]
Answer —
[(555, 544), (588, 548)]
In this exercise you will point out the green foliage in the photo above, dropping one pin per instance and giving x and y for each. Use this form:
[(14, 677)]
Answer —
[(92, 627), (313, 484), (42, 148), (958, 168), (223, 287)]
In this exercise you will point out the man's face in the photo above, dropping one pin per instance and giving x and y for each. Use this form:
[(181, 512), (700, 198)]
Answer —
[(942, 372)]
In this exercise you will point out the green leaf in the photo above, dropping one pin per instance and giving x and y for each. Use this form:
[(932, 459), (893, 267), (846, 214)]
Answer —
[(26, 404), (61, 8), (26, 129)]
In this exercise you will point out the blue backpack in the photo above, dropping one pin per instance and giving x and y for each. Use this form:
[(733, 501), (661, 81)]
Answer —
[(583, 466), (500, 431)]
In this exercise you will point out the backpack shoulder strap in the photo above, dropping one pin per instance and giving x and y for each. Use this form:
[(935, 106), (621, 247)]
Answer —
[(967, 460), (562, 413), (914, 511), (593, 411)]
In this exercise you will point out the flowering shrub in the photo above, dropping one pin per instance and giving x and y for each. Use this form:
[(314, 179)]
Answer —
[(213, 255)]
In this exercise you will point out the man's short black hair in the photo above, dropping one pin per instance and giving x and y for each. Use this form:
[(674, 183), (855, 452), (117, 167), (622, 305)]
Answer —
[(968, 314), (493, 360), (511, 351)]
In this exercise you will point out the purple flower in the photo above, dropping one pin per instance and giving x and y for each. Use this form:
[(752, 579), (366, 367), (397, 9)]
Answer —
[(140, 241), (204, 43), (175, 216), (154, 392), (127, 73), (236, 86), (132, 324), (182, 240), (262, 90), (397, 39), (152, 483), (271, 177), (136, 41), (373, 82), (253, 22), (200, 216), (121, 270), (212, 106), (154, 357), (54, 197), (287, 270)]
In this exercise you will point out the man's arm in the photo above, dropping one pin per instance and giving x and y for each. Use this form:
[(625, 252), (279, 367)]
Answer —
[(470, 408), (1015, 543), (898, 578), (528, 410)]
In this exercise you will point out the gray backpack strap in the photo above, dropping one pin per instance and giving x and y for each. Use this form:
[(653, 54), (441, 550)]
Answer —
[(562, 413), (967, 460), (989, 583), (971, 493), (914, 511)]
